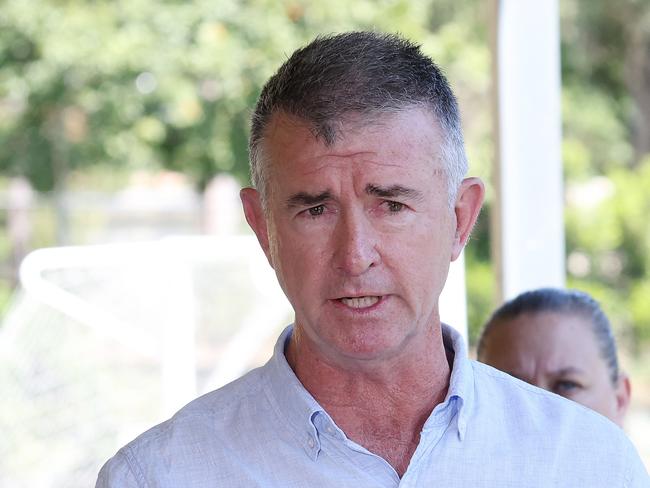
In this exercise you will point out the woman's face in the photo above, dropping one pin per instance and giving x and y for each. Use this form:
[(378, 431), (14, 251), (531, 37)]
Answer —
[(557, 352)]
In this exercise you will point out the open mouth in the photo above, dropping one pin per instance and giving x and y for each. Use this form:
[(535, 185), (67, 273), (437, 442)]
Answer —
[(359, 302)]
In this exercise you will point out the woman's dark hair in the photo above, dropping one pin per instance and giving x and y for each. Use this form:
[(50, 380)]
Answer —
[(570, 302)]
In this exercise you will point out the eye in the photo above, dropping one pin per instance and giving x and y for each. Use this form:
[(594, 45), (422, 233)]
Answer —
[(394, 207), (316, 211), (566, 387)]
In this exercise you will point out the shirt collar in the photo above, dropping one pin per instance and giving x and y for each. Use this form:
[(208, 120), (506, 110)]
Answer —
[(292, 402), (301, 412), (461, 382)]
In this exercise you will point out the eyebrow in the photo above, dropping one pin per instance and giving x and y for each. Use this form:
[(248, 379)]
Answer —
[(560, 372), (393, 192), (302, 198), (569, 370)]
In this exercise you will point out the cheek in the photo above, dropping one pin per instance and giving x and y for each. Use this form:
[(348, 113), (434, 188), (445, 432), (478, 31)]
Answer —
[(429, 250), (296, 262), (599, 398), (420, 269)]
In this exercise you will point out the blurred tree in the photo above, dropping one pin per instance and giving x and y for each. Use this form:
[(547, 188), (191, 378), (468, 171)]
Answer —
[(141, 83), (606, 44), (606, 110), (145, 84)]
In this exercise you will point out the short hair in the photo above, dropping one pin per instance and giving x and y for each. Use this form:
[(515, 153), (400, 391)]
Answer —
[(363, 74), (569, 302)]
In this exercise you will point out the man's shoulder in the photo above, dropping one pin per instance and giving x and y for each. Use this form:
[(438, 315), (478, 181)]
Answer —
[(521, 397), (213, 411), (207, 424), (551, 432), (539, 414), (494, 382)]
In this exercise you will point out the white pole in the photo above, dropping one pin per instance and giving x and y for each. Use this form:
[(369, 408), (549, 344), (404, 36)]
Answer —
[(453, 300), (529, 224)]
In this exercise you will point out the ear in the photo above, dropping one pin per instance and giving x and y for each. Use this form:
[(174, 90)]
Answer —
[(256, 218), (623, 395), (467, 207)]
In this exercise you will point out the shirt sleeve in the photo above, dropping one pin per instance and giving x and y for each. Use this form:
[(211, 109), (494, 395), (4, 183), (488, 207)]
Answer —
[(637, 476), (117, 473)]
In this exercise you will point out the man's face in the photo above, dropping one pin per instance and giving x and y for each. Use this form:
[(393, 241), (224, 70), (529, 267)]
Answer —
[(360, 234)]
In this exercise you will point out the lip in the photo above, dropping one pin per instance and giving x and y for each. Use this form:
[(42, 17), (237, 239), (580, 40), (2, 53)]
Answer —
[(338, 303)]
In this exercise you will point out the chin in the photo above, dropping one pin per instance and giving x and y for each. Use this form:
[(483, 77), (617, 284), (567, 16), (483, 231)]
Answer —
[(370, 347)]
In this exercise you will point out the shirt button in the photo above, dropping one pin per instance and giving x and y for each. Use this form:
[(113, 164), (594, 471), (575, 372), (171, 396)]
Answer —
[(311, 442)]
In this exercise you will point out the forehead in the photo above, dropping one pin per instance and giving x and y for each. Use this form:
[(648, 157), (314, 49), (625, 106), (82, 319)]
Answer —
[(409, 139), (550, 337)]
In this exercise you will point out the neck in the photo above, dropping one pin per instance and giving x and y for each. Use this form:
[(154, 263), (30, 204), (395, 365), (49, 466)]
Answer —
[(380, 404)]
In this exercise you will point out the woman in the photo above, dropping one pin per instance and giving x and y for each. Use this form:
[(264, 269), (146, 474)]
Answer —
[(559, 340)]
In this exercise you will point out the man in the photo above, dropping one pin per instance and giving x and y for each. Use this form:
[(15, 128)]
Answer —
[(360, 205)]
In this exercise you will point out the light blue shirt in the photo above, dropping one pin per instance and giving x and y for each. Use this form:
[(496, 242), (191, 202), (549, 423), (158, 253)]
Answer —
[(266, 430)]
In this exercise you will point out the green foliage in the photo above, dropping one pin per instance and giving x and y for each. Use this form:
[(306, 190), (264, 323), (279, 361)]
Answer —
[(144, 84), (480, 293), (6, 295), (594, 138), (632, 206), (640, 311), (480, 277), (606, 80), (593, 39), (612, 237)]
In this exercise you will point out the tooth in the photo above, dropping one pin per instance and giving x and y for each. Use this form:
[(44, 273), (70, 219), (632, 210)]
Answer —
[(360, 302)]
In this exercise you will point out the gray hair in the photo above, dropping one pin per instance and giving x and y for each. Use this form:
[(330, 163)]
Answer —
[(570, 302), (362, 74)]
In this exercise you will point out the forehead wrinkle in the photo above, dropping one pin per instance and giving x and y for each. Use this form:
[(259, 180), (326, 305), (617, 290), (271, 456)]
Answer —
[(568, 370), (341, 160), (320, 167)]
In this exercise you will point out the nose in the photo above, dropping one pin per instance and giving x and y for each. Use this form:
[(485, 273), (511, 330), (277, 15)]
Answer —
[(540, 381), (356, 244)]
